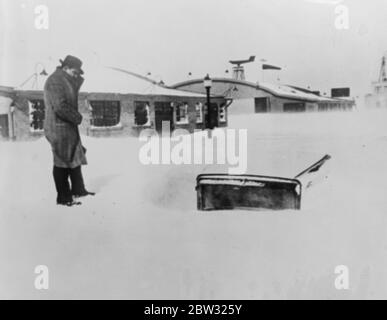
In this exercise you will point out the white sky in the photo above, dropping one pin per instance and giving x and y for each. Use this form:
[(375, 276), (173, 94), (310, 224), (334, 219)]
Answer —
[(171, 38)]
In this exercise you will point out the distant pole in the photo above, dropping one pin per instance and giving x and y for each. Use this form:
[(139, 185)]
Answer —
[(208, 84), (12, 121), (208, 119), (208, 97)]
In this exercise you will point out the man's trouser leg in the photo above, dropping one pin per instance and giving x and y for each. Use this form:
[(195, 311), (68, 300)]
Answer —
[(77, 183), (61, 178)]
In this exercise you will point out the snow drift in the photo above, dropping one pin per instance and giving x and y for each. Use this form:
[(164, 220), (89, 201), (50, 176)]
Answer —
[(141, 237)]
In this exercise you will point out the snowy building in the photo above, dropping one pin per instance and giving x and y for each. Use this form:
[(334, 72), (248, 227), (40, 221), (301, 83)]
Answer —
[(249, 97), (112, 103)]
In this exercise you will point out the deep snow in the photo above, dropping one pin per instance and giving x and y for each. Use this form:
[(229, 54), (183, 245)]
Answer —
[(142, 238)]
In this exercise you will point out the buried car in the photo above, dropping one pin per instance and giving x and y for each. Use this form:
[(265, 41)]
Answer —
[(253, 192)]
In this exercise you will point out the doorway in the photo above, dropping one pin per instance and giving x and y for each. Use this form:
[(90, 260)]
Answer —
[(4, 130), (212, 120), (163, 112)]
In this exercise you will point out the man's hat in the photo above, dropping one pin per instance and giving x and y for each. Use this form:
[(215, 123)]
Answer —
[(72, 62)]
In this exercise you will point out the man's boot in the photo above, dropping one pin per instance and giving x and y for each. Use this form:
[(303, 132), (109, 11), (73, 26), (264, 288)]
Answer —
[(64, 196), (78, 189)]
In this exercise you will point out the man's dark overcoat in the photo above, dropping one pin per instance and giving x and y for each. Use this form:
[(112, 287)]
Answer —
[(63, 118)]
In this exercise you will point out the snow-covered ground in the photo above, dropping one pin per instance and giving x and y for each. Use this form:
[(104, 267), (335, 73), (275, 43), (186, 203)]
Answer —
[(142, 238)]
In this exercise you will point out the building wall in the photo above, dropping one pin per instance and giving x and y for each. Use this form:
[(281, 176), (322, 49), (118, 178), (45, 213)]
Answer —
[(127, 118), (228, 90), (5, 103), (242, 106), (276, 105), (22, 122), (6, 99), (244, 97)]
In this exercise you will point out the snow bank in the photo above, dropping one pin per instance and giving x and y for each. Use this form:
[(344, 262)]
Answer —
[(142, 238)]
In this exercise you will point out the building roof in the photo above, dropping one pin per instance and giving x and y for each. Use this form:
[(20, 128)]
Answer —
[(287, 91), (6, 89), (279, 90), (107, 80), (100, 79)]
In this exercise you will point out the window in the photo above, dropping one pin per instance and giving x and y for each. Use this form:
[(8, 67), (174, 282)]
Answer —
[(261, 105), (37, 115), (182, 113), (199, 112), (105, 113), (294, 107), (141, 113), (223, 113)]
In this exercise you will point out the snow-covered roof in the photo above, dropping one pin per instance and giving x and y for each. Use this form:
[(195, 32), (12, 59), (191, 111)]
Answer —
[(101, 79), (281, 90), (159, 90), (105, 79), (291, 92), (345, 98)]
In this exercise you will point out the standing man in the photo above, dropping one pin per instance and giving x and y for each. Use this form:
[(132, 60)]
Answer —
[(61, 130)]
